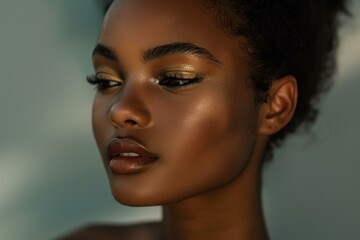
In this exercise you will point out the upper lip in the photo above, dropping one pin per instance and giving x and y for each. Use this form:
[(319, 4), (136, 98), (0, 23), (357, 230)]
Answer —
[(128, 145)]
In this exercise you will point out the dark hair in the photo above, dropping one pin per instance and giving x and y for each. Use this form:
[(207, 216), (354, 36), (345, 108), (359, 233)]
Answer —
[(285, 37)]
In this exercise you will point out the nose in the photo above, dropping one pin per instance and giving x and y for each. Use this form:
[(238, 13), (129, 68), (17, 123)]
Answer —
[(129, 110)]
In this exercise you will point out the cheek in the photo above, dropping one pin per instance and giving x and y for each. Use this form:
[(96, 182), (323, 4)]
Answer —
[(203, 140), (100, 123), (209, 139)]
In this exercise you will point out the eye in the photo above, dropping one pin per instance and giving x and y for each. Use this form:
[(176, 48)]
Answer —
[(177, 80), (101, 82)]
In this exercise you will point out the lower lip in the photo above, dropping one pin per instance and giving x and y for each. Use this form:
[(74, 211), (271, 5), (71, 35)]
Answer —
[(129, 165)]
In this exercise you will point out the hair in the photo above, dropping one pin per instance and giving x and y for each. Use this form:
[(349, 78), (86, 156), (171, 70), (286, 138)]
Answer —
[(284, 37)]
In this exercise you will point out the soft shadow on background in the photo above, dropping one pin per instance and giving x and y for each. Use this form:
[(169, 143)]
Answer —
[(51, 177)]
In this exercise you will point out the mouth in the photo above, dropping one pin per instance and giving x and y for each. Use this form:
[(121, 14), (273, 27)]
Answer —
[(126, 156)]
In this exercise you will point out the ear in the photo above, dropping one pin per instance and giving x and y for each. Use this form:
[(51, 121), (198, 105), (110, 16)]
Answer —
[(280, 105)]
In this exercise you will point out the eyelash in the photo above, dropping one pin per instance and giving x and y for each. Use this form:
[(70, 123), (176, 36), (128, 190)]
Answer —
[(102, 84), (176, 81), (170, 81)]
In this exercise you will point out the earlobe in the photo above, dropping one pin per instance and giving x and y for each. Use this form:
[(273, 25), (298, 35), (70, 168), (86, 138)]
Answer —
[(280, 107)]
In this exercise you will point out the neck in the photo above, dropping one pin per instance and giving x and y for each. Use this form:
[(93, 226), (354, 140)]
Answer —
[(230, 212)]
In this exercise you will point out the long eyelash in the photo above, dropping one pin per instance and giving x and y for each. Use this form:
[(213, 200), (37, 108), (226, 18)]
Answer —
[(99, 83), (193, 80), (92, 79)]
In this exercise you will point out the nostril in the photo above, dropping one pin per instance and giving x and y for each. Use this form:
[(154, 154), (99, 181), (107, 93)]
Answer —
[(130, 122)]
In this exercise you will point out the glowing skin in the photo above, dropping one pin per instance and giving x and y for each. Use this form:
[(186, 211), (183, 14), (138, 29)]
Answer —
[(205, 135)]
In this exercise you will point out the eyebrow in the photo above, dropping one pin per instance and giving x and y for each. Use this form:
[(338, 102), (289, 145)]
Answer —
[(178, 48), (161, 51), (105, 52)]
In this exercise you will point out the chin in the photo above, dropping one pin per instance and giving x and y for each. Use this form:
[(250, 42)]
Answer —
[(134, 200), (147, 195), (136, 197)]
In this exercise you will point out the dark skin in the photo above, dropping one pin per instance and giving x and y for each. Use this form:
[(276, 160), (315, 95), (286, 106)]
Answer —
[(194, 110)]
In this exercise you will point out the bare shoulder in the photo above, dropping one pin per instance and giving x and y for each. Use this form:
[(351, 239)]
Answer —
[(143, 231)]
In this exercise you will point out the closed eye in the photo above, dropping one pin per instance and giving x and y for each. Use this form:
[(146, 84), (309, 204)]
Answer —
[(177, 81), (102, 84)]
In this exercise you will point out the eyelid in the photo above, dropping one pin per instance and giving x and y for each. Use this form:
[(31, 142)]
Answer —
[(179, 73), (181, 67), (106, 76), (176, 75), (178, 80)]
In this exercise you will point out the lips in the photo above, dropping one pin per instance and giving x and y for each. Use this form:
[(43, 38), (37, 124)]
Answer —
[(127, 156)]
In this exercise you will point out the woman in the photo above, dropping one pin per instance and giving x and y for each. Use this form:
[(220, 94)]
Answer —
[(193, 96)]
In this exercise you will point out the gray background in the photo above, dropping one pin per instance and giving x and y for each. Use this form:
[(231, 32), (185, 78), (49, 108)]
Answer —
[(51, 178)]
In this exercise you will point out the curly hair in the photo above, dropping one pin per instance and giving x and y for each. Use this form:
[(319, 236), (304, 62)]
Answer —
[(285, 37)]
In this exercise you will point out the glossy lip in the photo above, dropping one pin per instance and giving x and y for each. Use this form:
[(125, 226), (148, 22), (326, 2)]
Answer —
[(119, 164)]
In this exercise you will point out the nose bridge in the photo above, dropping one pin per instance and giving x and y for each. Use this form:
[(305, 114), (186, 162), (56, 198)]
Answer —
[(129, 107)]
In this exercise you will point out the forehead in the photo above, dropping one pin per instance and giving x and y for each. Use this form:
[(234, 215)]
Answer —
[(171, 10), (148, 23), (153, 17)]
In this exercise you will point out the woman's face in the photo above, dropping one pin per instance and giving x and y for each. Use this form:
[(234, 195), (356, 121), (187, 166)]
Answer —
[(173, 102)]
